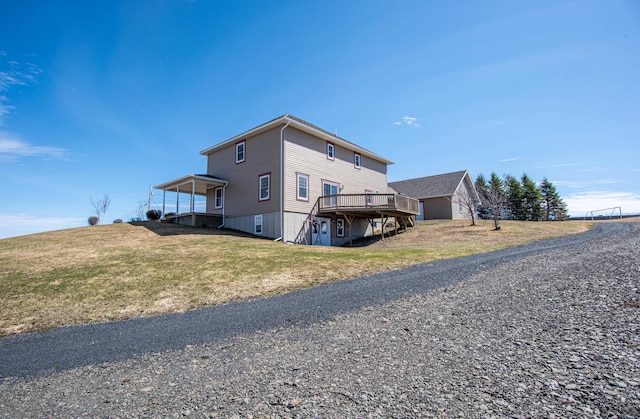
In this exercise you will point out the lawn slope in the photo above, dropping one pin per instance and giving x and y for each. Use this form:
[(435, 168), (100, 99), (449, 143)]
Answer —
[(119, 271)]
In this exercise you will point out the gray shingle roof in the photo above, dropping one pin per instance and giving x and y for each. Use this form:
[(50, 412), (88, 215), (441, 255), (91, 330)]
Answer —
[(429, 186)]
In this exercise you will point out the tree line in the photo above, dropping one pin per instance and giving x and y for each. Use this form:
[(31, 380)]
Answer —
[(522, 199)]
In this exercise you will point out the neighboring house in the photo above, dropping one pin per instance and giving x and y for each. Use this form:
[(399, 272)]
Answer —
[(292, 181), (440, 196)]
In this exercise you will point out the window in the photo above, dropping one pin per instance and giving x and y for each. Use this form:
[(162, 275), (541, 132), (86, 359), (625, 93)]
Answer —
[(331, 151), (240, 151), (257, 224), (218, 198), (303, 187), (356, 160), (368, 197), (330, 191), (264, 183), (340, 227)]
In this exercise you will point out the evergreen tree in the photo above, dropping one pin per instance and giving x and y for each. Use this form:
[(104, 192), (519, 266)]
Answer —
[(484, 209), (515, 197), (554, 207), (531, 200)]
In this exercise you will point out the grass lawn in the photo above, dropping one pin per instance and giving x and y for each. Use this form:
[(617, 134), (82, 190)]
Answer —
[(119, 271)]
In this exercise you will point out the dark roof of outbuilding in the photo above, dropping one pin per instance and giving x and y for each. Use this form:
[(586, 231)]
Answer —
[(430, 186)]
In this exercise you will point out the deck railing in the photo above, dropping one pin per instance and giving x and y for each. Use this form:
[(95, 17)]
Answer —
[(368, 202)]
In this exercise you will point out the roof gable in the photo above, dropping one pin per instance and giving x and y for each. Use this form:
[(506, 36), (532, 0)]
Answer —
[(430, 186), (290, 120)]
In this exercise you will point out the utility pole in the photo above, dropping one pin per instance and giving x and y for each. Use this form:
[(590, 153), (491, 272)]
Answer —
[(150, 196)]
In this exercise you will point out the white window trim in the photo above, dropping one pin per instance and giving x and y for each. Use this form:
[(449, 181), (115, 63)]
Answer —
[(215, 198), (244, 151), (257, 222), (298, 197), (268, 177), (368, 196), (340, 227), (357, 160), (331, 155)]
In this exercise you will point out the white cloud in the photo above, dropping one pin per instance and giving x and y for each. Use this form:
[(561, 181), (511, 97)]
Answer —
[(578, 204), (18, 224), (510, 159), (10, 146), (586, 183), (12, 73), (408, 120), (559, 165)]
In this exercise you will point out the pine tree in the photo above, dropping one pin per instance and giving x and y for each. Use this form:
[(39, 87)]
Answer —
[(514, 196), (554, 207), (484, 209), (531, 199)]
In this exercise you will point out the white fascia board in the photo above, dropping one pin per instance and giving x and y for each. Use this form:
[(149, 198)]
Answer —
[(308, 128), (184, 180)]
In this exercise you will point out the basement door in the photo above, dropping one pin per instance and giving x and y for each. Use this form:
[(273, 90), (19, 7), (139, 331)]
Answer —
[(321, 232)]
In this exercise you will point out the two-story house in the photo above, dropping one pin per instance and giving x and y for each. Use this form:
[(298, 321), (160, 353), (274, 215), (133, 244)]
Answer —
[(292, 181)]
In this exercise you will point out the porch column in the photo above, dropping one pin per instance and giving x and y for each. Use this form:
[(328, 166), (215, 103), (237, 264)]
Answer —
[(164, 200), (177, 199), (193, 192)]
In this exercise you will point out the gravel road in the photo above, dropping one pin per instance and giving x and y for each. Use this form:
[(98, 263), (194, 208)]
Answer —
[(550, 329)]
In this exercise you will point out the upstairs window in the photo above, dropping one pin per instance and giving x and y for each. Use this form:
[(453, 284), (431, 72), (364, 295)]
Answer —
[(240, 151), (303, 187), (356, 160), (264, 184), (218, 198), (331, 151)]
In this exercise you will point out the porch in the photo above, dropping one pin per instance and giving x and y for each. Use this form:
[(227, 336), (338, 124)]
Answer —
[(193, 186), (372, 207)]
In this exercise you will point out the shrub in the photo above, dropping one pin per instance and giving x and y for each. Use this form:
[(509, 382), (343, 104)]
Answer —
[(154, 214), (93, 220), (117, 221)]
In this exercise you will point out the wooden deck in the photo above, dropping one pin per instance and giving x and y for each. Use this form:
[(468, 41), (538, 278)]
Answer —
[(368, 205)]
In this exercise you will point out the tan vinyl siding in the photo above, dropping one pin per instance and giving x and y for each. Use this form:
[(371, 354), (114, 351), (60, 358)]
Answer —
[(270, 224), (307, 155), (242, 193)]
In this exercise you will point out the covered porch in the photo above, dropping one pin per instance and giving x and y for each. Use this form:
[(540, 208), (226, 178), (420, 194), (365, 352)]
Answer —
[(192, 186)]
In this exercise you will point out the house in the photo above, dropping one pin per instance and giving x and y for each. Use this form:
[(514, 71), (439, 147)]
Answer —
[(292, 181), (441, 196)]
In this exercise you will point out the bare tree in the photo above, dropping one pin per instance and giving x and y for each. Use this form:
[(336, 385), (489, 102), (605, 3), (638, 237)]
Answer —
[(468, 204), (101, 206), (493, 197)]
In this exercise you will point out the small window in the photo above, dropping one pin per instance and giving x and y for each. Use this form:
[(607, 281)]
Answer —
[(218, 198), (356, 160), (369, 197), (303, 187), (240, 152), (331, 151), (264, 183), (257, 224), (340, 227)]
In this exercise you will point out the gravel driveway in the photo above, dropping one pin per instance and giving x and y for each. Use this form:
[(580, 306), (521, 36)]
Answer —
[(550, 329)]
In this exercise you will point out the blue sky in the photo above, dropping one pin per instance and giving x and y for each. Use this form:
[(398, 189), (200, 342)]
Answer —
[(114, 96)]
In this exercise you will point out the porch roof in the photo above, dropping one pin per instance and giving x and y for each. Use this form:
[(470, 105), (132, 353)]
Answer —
[(197, 184)]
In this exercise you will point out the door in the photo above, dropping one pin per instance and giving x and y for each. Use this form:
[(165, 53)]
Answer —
[(330, 189), (321, 232), (421, 215)]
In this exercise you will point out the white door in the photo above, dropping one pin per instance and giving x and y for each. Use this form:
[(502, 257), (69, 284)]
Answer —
[(421, 215), (321, 232)]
